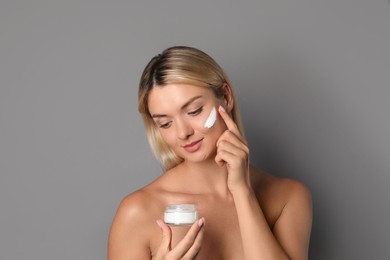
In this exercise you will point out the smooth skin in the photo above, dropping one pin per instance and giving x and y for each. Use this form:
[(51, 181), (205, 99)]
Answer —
[(245, 212)]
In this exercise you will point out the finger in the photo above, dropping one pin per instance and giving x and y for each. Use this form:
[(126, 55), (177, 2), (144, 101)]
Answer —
[(195, 248), (219, 160), (233, 146), (187, 242), (230, 137), (229, 142), (165, 245), (237, 149), (230, 159), (231, 125)]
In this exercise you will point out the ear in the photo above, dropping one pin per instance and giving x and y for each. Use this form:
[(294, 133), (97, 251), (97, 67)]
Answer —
[(228, 99)]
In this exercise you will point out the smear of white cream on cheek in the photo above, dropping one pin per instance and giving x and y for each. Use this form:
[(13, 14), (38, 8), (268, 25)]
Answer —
[(210, 121)]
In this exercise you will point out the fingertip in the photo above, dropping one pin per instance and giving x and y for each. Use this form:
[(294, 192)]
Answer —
[(201, 222), (221, 109), (159, 224)]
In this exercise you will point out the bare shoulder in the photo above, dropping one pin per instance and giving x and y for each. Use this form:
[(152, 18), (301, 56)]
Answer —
[(266, 185), (291, 189), (132, 227), (139, 205), (134, 206), (297, 197), (276, 194), (287, 206)]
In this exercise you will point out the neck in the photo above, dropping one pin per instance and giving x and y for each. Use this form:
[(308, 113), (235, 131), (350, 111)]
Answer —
[(207, 177)]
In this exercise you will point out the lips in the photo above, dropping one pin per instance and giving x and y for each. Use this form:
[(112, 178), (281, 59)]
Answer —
[(193, 147)]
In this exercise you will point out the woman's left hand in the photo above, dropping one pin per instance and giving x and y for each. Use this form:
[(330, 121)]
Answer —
[(233, 152)]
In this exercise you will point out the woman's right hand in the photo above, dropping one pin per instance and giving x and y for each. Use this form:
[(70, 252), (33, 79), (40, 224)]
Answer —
[(187, 248)]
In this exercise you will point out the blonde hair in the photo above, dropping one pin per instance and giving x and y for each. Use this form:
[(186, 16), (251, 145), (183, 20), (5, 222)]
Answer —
[(179, 65)]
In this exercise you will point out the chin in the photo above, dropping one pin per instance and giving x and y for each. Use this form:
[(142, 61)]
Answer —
[(200, 157)]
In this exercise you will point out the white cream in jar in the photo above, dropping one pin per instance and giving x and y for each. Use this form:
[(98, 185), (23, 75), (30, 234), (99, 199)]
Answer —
[(180, 214)]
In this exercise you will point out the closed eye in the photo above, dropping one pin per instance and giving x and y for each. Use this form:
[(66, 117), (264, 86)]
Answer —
[(166, 125), (196, 112)]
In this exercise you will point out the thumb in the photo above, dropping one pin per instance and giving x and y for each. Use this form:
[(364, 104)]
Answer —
[(166, 236)]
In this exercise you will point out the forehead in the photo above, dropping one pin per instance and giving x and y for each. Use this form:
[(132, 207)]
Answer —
[(174, 96)]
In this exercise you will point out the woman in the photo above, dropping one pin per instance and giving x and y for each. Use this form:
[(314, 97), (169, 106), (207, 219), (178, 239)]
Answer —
[(244, 212)]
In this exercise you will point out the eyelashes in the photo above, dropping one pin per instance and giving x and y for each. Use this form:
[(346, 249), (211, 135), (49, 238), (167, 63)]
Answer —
[(191, 113), (166, 125), (196, 112)]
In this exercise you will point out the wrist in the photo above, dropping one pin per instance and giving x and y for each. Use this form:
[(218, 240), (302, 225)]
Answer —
[(241, 190)]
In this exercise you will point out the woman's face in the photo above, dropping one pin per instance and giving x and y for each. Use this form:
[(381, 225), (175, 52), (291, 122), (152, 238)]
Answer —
[(180, 112)]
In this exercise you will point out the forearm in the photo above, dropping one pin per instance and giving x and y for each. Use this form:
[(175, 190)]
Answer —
[(257, 238)]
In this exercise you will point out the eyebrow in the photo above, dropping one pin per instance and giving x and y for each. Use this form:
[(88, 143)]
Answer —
[(182, 107)]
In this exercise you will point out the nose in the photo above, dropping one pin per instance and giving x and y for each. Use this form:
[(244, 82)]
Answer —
[(184, 130)]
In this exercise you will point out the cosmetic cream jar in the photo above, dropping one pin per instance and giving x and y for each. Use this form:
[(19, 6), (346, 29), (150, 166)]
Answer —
[(180, 214)]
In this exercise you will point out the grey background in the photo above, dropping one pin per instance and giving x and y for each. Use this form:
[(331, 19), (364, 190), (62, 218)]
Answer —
[(312, 79)]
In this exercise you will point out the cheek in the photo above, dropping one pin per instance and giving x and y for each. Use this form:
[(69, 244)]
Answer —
[(199, 125), (216, 130), (168, 137)]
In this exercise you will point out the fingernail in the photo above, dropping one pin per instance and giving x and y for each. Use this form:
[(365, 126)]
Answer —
[(201, 222), (222, 109)]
